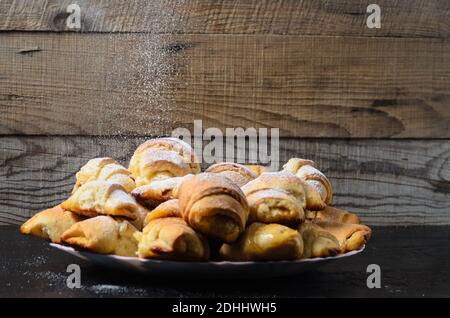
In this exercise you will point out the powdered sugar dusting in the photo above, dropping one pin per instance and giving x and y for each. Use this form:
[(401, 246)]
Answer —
[(143, 73)]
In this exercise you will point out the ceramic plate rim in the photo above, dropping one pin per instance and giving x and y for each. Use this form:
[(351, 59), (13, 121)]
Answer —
[(73, 251)]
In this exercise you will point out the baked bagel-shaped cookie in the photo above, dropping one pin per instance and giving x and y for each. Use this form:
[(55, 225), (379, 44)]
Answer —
[(276, 197), (319, 192), (162, 158), (351, 237), (237, 173), (166, 209), (318, 242), (172, 239), (334, 214), (50, 224), (106, 169), (102, 197), (264, 242), (102, 234), (213, 205), (156, 192)]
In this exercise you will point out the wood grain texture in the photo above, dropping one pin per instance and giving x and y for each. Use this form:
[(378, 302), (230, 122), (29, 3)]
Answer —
[(402, 18), (116, 84), (387, 182)]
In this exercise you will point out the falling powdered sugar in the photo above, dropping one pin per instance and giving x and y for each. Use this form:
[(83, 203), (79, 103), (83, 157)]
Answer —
[(144, 68)]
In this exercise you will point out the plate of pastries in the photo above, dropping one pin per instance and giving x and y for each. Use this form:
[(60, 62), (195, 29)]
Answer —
[(162, 215)]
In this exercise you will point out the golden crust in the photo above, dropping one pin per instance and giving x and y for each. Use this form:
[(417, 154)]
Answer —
[(211, 204), (102, 197), (318, 242), (50, 224), (334, 214), (276, 197), (106, 169), (319, 192), (264, 242), (156, 192), (162, 158), (172, 238), (141, 215), (350, 236), (103, 234), (237, 173), (275, 206), (257, 169), (166, 209)]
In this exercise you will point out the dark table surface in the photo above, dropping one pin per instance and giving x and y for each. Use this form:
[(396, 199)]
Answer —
[(414, 262)]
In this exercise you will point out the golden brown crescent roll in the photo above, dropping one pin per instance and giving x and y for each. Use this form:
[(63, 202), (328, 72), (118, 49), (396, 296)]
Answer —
[(237, 173), (156, 192), (162, 158), (213, 205), (264, 242), (50, 224), (159, 164), (172, 238), (317, 242), (257, 169), (102, 234), (276, 197), (102, 197), (334, 214), (319, 192), (166, 209), (106, 169), (350, 236)]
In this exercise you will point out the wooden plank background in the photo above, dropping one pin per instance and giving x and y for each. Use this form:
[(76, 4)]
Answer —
[(394, 182), (370, 105), (401, 18), (307, 86)]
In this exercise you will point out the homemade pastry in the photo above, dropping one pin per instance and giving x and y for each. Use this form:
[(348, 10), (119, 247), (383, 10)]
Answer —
[(141, 215), (333, 214), (50, 224), (318, 188), (276, 197), (102, 197), (350, 236), (156, 192), (162, 158), (213, 205), (172, 239), (237, 212), (318, 242), (106, 169), (103, 234), (166, 209), (257, 169), (264, 242), (237, 173)]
